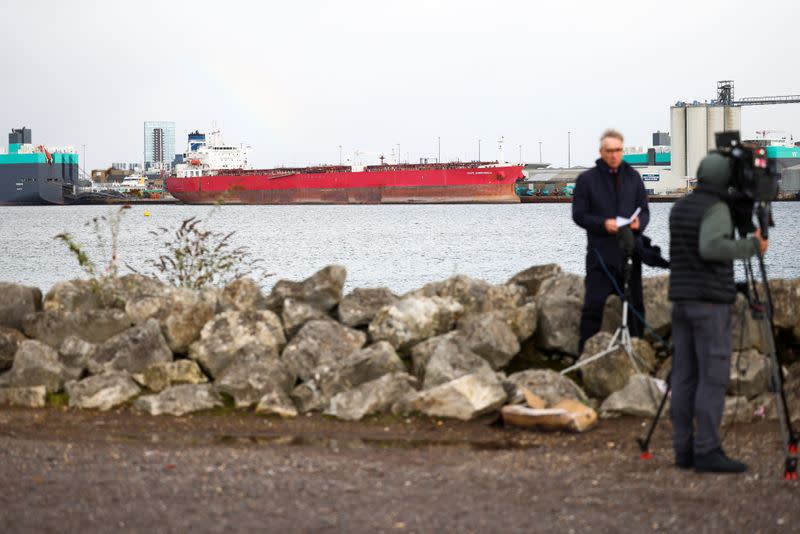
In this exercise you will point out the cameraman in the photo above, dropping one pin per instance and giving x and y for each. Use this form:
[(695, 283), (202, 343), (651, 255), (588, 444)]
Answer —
[(702, 289)]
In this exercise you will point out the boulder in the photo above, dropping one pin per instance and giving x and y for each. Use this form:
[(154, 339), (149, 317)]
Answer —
[(567, 415), (551, 386), (657, 306), (101, 293), (102, 392), (750, 374), (469, 292), (132, 350), (248, 380), (357, 368), (414, 319), (231, 335), (491, 338), (17, 301), (10, 338), (559, 300), (640, 398), (359, 307), (95, 326), (442, 359), (503, 297), (610, 373), (76, 354), (27, 396), (276, 402), (243, 294), (464, 398), (36, 364), (374, 397), (786, 303), (737, 410), (306, 397), (296, 313), (523, 320), (180, 400), (745, 330), (323, 289), (320, 343), (182, 313), (531, 278), (159, 376)]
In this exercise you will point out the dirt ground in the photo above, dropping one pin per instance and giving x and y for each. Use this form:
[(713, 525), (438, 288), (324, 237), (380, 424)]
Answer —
[(66, 470)]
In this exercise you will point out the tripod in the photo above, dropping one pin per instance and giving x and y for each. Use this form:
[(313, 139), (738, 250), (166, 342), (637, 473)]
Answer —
[(622, 336), (762, 311)]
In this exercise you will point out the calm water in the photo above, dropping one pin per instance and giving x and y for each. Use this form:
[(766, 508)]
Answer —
[(402, 247)]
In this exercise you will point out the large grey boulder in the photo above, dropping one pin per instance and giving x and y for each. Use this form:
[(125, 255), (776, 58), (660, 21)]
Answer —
[(523, 320), (102, 392), (182, 313), (95, 326), (611, 373), (132, 350), (444, 358), (98, 293), (531, 278), (745, 330), (17, 301), (161, 375), (180, 400), (357, 368), (550, 385), (359, 307), (639, 398), (320, 343), (464, 398), (36, 364), (296, 313), (469, 292), (243, 294), (76, 354), (26, 396), (10, 338), (490, 337), (750, 374), (374, 397), (248, 380), (414, 319), (276, 402), (559, 301), (323, 289), (232, 335), (786, 304)]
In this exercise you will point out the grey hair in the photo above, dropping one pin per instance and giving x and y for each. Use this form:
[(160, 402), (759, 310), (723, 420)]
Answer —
[(614, 134)]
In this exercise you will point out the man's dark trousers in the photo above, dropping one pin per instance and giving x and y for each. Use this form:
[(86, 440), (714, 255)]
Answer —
[(598, 286), (701, 334)]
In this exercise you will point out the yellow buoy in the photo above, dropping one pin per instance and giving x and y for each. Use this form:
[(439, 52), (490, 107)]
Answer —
[(146, 213)]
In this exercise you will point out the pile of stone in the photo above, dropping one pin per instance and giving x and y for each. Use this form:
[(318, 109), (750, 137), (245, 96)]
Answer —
[(448, 349)]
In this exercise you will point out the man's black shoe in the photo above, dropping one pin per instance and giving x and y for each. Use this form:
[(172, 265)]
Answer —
[(684, 460), (716, 462)]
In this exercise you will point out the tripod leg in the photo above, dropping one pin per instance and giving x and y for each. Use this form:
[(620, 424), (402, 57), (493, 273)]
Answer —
[(644, 444)]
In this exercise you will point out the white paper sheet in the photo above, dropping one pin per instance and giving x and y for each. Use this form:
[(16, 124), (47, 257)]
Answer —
[(623, 221)]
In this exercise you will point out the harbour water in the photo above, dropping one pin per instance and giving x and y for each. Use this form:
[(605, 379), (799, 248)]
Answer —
[(401, 247)]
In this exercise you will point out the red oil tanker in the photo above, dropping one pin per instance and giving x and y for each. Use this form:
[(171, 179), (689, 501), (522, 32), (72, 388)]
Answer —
[(216, 172)]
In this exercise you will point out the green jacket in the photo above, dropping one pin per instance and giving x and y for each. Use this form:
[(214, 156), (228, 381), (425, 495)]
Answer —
[(717, 241)]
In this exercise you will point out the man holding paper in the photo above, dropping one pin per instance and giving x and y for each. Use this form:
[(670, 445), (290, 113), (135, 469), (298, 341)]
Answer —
[(607, 197)]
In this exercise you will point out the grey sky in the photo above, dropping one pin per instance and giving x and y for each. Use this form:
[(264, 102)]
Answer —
[(297, 79)]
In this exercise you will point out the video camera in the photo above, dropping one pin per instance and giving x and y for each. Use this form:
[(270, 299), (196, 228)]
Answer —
[(754, 178)]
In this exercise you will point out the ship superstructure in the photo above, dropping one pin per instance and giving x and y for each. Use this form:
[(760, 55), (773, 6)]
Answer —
[(36, 174)]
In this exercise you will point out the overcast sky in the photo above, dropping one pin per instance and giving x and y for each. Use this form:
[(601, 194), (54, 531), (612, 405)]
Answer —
[(297, 79)]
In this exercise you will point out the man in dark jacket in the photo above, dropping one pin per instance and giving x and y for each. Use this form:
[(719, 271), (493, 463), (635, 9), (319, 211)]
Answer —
[(611, 189), (702, 289)]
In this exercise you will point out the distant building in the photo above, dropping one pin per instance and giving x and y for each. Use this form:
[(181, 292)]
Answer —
[(159, 145), (661, 139), (133, 167)]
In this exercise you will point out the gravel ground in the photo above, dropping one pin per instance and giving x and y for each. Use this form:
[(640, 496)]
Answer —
[(66, 470)]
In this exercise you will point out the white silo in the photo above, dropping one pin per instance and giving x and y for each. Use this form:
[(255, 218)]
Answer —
[(716, 124), (677, 130), (733, 118), (696, 137)]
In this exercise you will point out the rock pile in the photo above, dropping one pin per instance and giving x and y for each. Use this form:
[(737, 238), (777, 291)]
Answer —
[(456, 348)]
